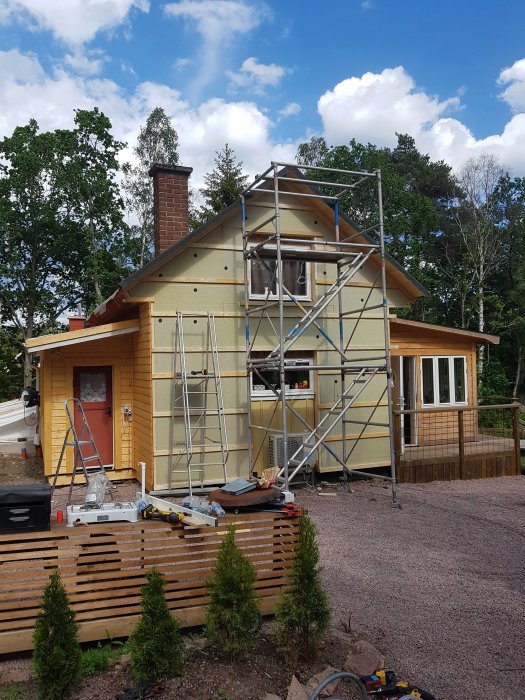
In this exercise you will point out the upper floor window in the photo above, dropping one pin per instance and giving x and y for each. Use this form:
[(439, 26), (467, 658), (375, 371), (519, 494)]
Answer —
[(264, 278), (444, 380)]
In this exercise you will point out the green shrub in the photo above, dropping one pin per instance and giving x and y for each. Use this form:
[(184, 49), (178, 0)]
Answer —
[(303, 613), (156, 645), (56, 655), (232, 615)]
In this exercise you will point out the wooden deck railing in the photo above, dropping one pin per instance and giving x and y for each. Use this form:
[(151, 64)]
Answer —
[(459, 442), (103, 567)]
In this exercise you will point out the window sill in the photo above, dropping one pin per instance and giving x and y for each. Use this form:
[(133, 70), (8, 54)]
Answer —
[(264, 396), (286, 300), (445, 405)]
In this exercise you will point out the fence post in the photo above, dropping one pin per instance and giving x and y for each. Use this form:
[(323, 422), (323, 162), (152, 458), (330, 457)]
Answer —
[(516, 436), (461, 436)]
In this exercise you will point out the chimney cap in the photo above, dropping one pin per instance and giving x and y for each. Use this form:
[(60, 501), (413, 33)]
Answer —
[(164, 168)]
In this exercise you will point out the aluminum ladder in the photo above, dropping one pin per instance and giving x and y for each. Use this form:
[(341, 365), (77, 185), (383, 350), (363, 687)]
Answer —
[(77, 439), (197, 396)]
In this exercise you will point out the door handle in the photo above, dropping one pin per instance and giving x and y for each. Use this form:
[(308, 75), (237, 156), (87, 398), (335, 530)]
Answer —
[(109, 411)]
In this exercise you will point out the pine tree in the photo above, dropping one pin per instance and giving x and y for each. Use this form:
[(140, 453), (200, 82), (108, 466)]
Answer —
[(57, 653), (232, 617), (156, 645), (303, 612), (223, 185)]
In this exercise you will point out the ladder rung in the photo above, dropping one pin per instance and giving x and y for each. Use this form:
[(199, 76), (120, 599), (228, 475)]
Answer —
[(196, 465), (202, 446), (203, 393), (190, 375)]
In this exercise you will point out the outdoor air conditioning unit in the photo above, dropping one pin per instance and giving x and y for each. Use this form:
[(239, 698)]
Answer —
[(295, 441)]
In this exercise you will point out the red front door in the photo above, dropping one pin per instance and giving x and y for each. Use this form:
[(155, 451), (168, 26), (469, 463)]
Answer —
[(93, 386)]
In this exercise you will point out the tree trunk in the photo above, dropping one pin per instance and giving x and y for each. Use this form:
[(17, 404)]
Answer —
[(518, 372), (143, 234), (28, 333), (481, 319), (463, 297), (96, 283)]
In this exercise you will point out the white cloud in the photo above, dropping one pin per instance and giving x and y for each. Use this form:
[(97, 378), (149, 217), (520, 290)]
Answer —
[(257, 75), (451, 141), (29, 92), (86, 62), (73, 21), (373, 107), (218, 22), (290, 110), (376, 105), (181, 64), (514, 93)]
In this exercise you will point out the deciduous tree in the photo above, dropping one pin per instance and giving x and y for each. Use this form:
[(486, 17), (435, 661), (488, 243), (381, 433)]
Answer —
[(94, 201), (64, 240), (157, 143), (40, 261), (478, 228)]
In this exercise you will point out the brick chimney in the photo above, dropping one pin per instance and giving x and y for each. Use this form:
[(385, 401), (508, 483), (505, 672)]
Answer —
[(170, 197), (76, 322)]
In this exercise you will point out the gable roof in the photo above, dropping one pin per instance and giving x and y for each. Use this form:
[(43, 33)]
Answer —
[(109, 307)]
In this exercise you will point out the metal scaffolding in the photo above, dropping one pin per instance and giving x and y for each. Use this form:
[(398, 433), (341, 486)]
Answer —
[(280, 317)]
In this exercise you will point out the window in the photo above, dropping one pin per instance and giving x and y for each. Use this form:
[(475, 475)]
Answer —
[(443, 380), (298, 381), (263, 278)]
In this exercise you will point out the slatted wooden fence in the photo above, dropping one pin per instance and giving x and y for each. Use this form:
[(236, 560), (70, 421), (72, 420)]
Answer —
[(103, 567)]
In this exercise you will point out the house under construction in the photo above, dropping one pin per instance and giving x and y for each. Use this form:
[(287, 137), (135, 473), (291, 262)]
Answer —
[(259, 339)]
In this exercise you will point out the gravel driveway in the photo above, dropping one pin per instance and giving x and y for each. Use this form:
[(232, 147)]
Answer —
[(437, 585)]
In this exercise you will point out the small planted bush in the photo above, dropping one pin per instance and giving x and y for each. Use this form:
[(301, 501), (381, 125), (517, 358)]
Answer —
[(303, 613), (57, 654), (232, 615), (156, 645)]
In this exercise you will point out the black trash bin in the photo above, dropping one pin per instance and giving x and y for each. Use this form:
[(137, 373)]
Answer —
[(25, 508)]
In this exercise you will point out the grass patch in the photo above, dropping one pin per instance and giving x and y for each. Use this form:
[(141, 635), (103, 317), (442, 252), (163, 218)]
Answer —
[(96, 659), (17, 691)]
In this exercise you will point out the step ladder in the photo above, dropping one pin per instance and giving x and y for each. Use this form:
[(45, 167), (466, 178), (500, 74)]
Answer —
[(78, 439), (197, 398)]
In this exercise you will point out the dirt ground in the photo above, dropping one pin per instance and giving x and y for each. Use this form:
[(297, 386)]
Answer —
[(437, 585)]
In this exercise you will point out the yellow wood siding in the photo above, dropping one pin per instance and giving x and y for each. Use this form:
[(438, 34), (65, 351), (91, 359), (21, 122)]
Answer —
[(57, 379), (142, 396)]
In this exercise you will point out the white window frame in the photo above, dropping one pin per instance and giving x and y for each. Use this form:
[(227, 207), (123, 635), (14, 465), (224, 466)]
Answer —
[(273, 297), (451, 379), (267, 394)]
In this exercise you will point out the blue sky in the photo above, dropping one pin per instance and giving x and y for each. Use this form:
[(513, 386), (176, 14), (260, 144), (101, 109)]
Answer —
[(265, 76)]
